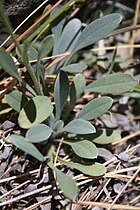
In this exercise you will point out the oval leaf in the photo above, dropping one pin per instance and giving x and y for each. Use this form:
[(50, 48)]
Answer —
[(16, 100), (95, 108), (38, 133), (61, 91), (75, 68), (68, 35), (95, 169), (58, 125), (97, 30), (77, 88), (45, 47), (8, 64), (105, 136), (112, 84), (35, 111), (84, 149), (67, 185), (27, 147), (79, 126)]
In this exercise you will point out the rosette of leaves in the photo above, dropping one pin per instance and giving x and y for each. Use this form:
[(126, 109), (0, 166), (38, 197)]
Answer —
[(45, 122)]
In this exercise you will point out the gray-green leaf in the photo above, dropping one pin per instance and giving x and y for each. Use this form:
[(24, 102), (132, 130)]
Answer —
[(77, 88), (38, 133), (84, 148), (112, 84), (67, 184), (97, 30), (106, 136), (95, 169), (8, 64), (27, 147), (95, 108), (35, 111), (75, 68), (16, 100), (79, 126), (61, 91)]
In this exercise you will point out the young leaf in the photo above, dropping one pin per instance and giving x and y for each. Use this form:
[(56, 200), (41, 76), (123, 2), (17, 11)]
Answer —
[(35, 112), (16, 100), (38, 133), (61, 91), (67, 185), (45, 47), (58, 125), (106, 136), (95, 169), (75, 68), (57, 26), (27, 147), (79, 126), (97, 30), (77, 88), (68, 35), (84, 149), (8, 64), (95, 108), (112, 84)]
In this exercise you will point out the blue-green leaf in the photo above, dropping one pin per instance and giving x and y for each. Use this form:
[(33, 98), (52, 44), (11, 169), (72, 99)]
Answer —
[(68, 35), (84, 148), (45, 47), (106, 136), (35, 111), (75, 68), (114, 84), (79, 126), (27, 147), (95, 108), (97, 30), (38, 133), (16, 100), (95, 169), (77, 88), (66, 184), (61, 91), (8, 64)]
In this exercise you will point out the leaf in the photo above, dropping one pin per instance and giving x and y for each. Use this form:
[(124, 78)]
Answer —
[(95, 169), (79, 126), (8, 64), (61, 91), (68, 35), (38, 133), (95, 108), (67, 185), (27, 147), (106, 136), (16, 100), (84, 148), (35, 112), (77, 88), (32, 53), (97, 30), (4, 107), (75, 68), (57, 26), (45, 47), (112, 84), (58, 125)]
